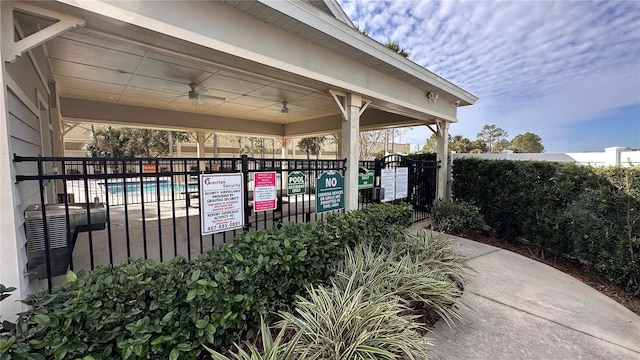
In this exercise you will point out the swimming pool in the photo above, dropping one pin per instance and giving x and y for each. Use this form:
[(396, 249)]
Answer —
[(146, 186)]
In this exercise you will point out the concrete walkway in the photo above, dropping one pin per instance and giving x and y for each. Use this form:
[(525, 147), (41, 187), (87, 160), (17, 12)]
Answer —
[(523, 309)]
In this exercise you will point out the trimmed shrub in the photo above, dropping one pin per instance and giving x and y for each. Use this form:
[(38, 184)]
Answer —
[(139, 309), (564, 209), (375, 224), (457, 216), (606, 227), (145, 309)]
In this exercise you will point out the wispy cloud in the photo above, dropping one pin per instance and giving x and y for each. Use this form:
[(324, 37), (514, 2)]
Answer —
[(536, 65)]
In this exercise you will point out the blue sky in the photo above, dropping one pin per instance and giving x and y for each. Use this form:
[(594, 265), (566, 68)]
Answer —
[(568, 71)]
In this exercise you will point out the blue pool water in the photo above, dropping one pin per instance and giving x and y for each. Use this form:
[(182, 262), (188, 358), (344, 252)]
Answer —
[(149, 187)]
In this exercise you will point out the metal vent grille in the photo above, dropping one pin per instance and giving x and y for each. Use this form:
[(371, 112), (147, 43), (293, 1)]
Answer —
[(57, 233)]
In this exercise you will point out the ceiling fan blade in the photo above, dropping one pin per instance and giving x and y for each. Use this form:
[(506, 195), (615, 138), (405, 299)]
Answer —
[(173, 91), (212, 97)]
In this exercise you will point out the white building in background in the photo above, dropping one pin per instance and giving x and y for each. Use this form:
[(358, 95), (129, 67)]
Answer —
[(609, 157)]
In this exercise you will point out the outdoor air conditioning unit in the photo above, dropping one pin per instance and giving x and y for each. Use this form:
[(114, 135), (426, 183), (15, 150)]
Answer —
[(59, 240)]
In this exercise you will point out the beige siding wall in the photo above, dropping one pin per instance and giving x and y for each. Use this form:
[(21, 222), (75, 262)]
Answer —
[(29, 127)]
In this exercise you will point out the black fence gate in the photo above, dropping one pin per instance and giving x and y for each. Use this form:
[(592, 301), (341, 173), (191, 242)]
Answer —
[(422, 187), (103, 211)]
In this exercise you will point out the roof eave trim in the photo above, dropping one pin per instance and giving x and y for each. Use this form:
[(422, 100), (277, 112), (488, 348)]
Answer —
[(350, 36), (337, 11)]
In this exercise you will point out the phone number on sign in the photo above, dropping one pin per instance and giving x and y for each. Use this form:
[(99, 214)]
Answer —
[(217, 227)]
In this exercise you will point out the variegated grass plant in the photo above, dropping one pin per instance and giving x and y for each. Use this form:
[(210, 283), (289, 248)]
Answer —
[(435, 251), (342, 322), (422, 273), (272, 349)]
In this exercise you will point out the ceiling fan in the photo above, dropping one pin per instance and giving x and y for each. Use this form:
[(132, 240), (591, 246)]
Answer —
[(285, 110), (197, 95)]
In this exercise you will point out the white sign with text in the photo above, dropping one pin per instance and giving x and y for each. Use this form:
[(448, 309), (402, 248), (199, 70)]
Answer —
[(402, 183), (221, 202), (388, 183)]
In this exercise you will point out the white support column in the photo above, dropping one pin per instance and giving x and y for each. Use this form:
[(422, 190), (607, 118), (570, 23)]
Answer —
[(201, 139), (338, 146), (443, 152), (350, 138), (215, 145), (11, 270), (294, 143), (56, 121), (285, 147)]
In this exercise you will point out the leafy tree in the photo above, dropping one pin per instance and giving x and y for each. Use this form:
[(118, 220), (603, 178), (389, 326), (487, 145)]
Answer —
[(461, 144), (256, 144), (311, 145), (106, 142), (490, 135), (458, 144), (502, 145), (527, 143), (396, 47), (130, 142), (431, 145)]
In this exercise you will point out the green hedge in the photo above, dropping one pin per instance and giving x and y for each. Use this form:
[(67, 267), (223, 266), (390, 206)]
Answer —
[(459, 217), (423, 156), (145, 309), (564, 209)]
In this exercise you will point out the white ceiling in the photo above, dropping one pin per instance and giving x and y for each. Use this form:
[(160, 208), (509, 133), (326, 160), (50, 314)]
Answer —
[(91, 68)]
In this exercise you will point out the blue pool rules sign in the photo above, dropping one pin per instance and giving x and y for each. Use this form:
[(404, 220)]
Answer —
[(221, 202), (329, 192)]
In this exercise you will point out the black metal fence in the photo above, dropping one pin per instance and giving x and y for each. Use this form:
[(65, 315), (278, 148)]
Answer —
[(102, 211), (422, 177)]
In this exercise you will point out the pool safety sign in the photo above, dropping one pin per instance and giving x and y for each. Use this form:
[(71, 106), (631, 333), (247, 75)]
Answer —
[(329, 192), (296, 183), (221, 202), (395, 183), (265, 195), (365, 180)]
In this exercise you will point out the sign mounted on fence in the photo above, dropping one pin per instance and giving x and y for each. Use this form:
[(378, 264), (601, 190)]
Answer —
[(296, 183), (365, 180), (221, 202), (388, 183), (329, 192), (402, 182), (265, 194), (395, 183)]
